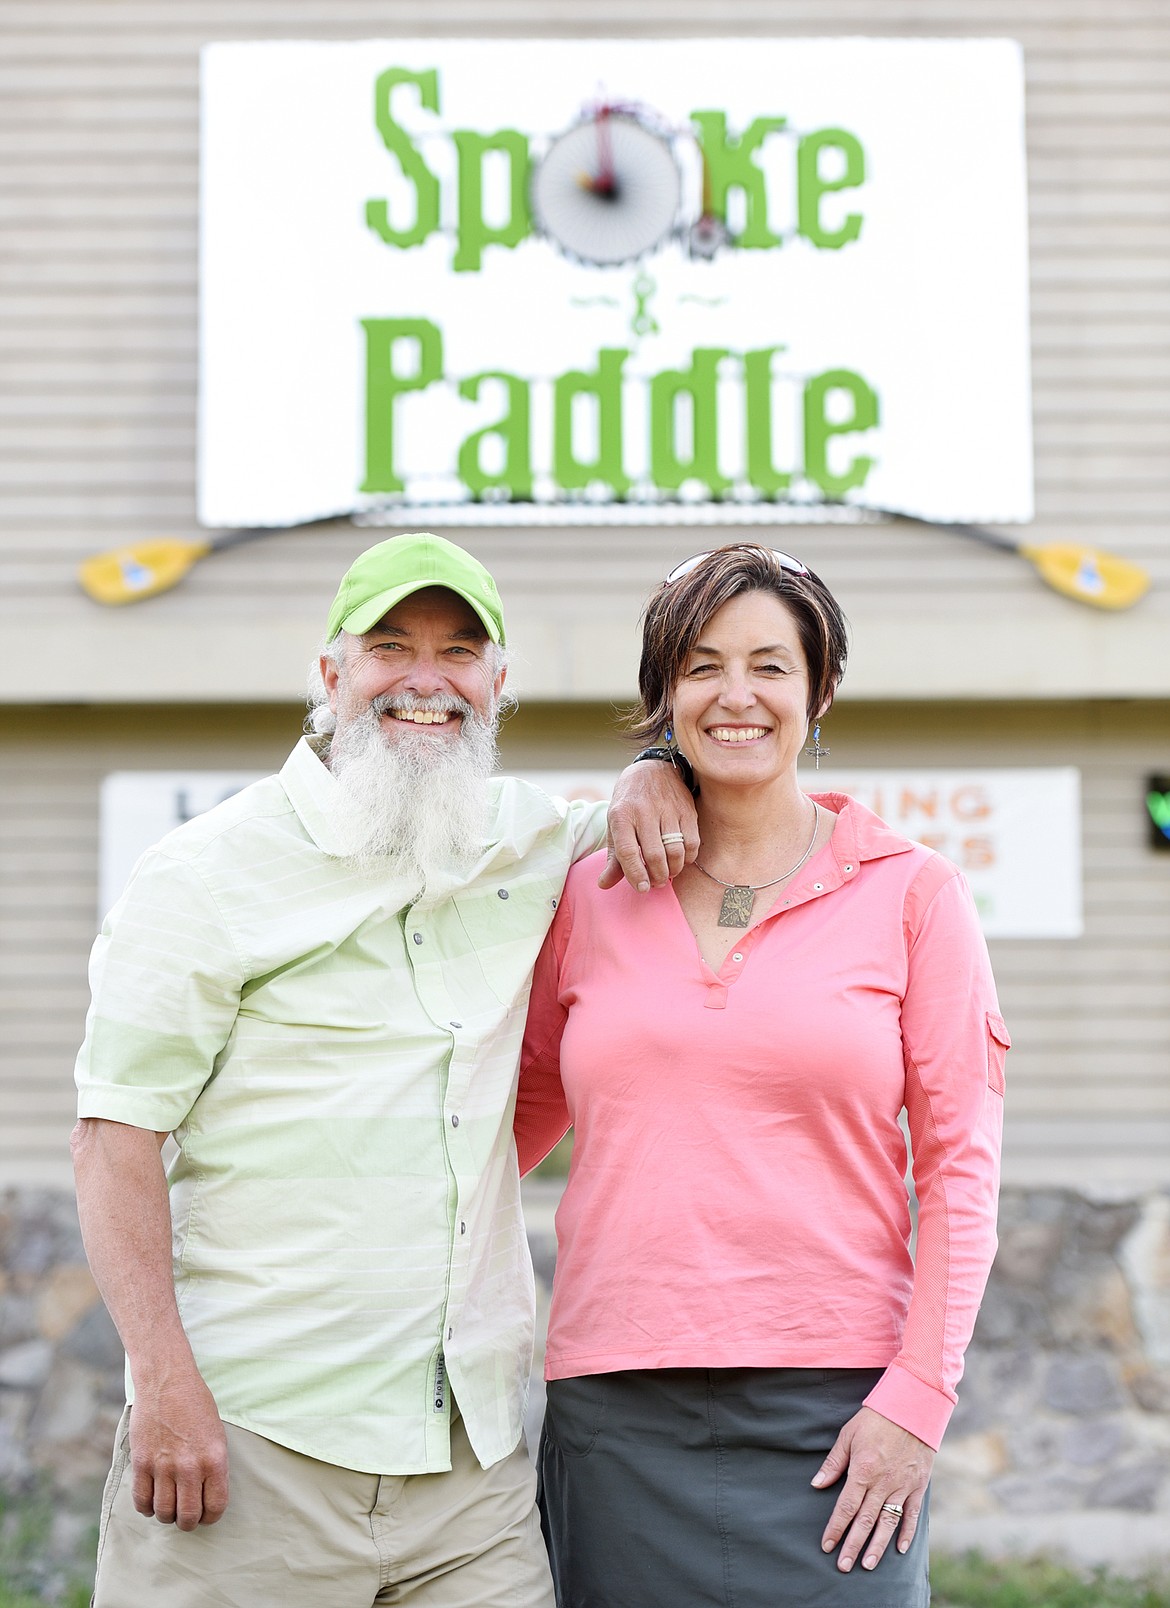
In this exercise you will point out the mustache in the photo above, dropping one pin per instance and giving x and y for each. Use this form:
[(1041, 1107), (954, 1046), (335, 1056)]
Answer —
[(411, 703)]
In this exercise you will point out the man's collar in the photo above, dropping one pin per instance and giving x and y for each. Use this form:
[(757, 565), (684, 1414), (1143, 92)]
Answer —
[(311, 790)]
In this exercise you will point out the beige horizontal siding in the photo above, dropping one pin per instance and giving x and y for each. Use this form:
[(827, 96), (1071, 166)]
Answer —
[(98, 348), (1089, 1076), (287, 18), (98, 197)]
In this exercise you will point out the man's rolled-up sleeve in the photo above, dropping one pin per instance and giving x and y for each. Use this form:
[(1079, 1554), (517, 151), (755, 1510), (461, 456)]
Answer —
[(588, 820), (166, 977)]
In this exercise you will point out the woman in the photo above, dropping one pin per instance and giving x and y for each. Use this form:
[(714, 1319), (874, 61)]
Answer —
[(748, 1377)]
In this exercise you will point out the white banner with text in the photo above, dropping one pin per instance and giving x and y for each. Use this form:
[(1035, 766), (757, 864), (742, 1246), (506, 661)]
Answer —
[(1014, 833)]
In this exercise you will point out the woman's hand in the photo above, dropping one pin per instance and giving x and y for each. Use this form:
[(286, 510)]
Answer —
[(886, 1465)]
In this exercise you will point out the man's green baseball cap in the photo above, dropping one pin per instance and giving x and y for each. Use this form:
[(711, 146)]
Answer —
[(382, 576)]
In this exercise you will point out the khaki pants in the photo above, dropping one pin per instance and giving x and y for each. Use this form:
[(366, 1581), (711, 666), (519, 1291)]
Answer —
[(302, 1534)]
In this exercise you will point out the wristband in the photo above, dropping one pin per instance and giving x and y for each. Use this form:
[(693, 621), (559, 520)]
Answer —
[(680, 762)]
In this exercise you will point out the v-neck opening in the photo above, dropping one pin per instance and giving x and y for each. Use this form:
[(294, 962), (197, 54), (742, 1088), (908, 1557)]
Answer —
[(730, 969)]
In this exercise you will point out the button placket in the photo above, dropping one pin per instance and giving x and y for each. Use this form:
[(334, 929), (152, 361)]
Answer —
[(735, 960)]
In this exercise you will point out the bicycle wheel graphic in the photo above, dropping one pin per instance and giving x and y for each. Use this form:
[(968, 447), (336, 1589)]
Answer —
[(608, 190)]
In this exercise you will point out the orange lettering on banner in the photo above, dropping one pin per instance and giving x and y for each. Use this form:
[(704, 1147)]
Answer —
[(932, 840), (912, 802), (970, 803), (978, 854)]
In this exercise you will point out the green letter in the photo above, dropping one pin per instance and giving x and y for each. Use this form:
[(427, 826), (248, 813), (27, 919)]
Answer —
[(426, 185), (384, 383), (604, 383), (667, 469), (810, 186), (512, 430), (818, 429), (474, 233), (762, 473), (728, 165)]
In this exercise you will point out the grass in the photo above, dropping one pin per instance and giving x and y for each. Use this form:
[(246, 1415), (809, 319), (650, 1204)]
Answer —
[(972, 1581), (76, 1597), (554, 1165), (29, 1576)]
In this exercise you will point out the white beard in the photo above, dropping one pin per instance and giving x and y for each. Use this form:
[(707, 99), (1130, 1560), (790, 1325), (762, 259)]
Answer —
[(415, 802)]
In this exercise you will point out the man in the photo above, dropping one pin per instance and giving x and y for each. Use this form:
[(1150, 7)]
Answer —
[(319, 988)]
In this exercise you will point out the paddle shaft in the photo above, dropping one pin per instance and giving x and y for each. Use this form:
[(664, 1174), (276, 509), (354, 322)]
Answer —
[(977, 533), (250, 533)]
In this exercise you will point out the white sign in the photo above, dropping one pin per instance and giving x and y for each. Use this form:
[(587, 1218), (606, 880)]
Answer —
[(703, 280), (140, 807), (1015, 834)]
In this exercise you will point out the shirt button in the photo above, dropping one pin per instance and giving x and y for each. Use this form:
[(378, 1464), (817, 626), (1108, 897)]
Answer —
[(417, 936), (737, 957), (817, 886), (450, 1332), (454, 1024), (553, 903), (463, 1228), (502, 892), (454, 1122), (849, 868)]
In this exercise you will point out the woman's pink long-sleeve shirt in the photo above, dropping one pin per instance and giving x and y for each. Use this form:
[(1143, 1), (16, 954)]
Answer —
[(736, 1196)]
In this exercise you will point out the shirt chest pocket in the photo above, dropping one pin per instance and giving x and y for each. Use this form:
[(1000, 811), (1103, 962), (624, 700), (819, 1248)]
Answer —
[(505, 925)]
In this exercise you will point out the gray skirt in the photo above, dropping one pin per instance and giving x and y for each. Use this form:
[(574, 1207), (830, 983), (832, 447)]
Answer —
[(689, 1488)]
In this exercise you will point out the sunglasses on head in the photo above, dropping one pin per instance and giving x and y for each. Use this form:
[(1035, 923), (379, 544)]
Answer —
[(785, 561)]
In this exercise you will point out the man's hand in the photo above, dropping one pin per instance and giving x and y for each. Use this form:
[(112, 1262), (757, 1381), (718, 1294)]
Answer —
[(886, 1465), (178, 1452), (649, 803)]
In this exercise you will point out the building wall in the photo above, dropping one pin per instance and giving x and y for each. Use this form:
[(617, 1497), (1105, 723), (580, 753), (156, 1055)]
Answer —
[(961, 657), (98, 347), (1089, 1100), (99, 195)]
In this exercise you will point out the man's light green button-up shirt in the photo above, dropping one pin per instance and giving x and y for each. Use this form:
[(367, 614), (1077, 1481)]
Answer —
[(339, 1068)]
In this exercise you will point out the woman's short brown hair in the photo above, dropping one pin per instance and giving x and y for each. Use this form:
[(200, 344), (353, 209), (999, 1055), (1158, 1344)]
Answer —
[(679, 611)]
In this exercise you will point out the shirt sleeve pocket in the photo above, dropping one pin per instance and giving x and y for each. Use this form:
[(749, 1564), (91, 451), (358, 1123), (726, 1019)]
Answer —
[(998, 1044)]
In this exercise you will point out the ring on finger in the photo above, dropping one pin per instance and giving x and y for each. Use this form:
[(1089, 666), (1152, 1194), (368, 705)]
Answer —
[(895, 1508), (673, 837)]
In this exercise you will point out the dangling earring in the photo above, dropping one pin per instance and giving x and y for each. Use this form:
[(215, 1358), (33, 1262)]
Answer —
[(668, 734), (814, 748)]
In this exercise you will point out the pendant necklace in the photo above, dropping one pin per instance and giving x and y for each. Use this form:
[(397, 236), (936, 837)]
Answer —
[(739, 897)]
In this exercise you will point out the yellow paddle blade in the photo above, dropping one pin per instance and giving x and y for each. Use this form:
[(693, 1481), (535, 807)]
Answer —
[(128, 574), (1101, 579)]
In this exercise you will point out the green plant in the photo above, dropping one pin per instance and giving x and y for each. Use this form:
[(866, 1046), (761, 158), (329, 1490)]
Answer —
[(973, 1581), (30, 1574), (556, 1163), (76, 1595)]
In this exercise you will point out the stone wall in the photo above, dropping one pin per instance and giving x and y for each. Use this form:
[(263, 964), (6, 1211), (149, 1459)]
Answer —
[(60, 1390), (1061, 1439)]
